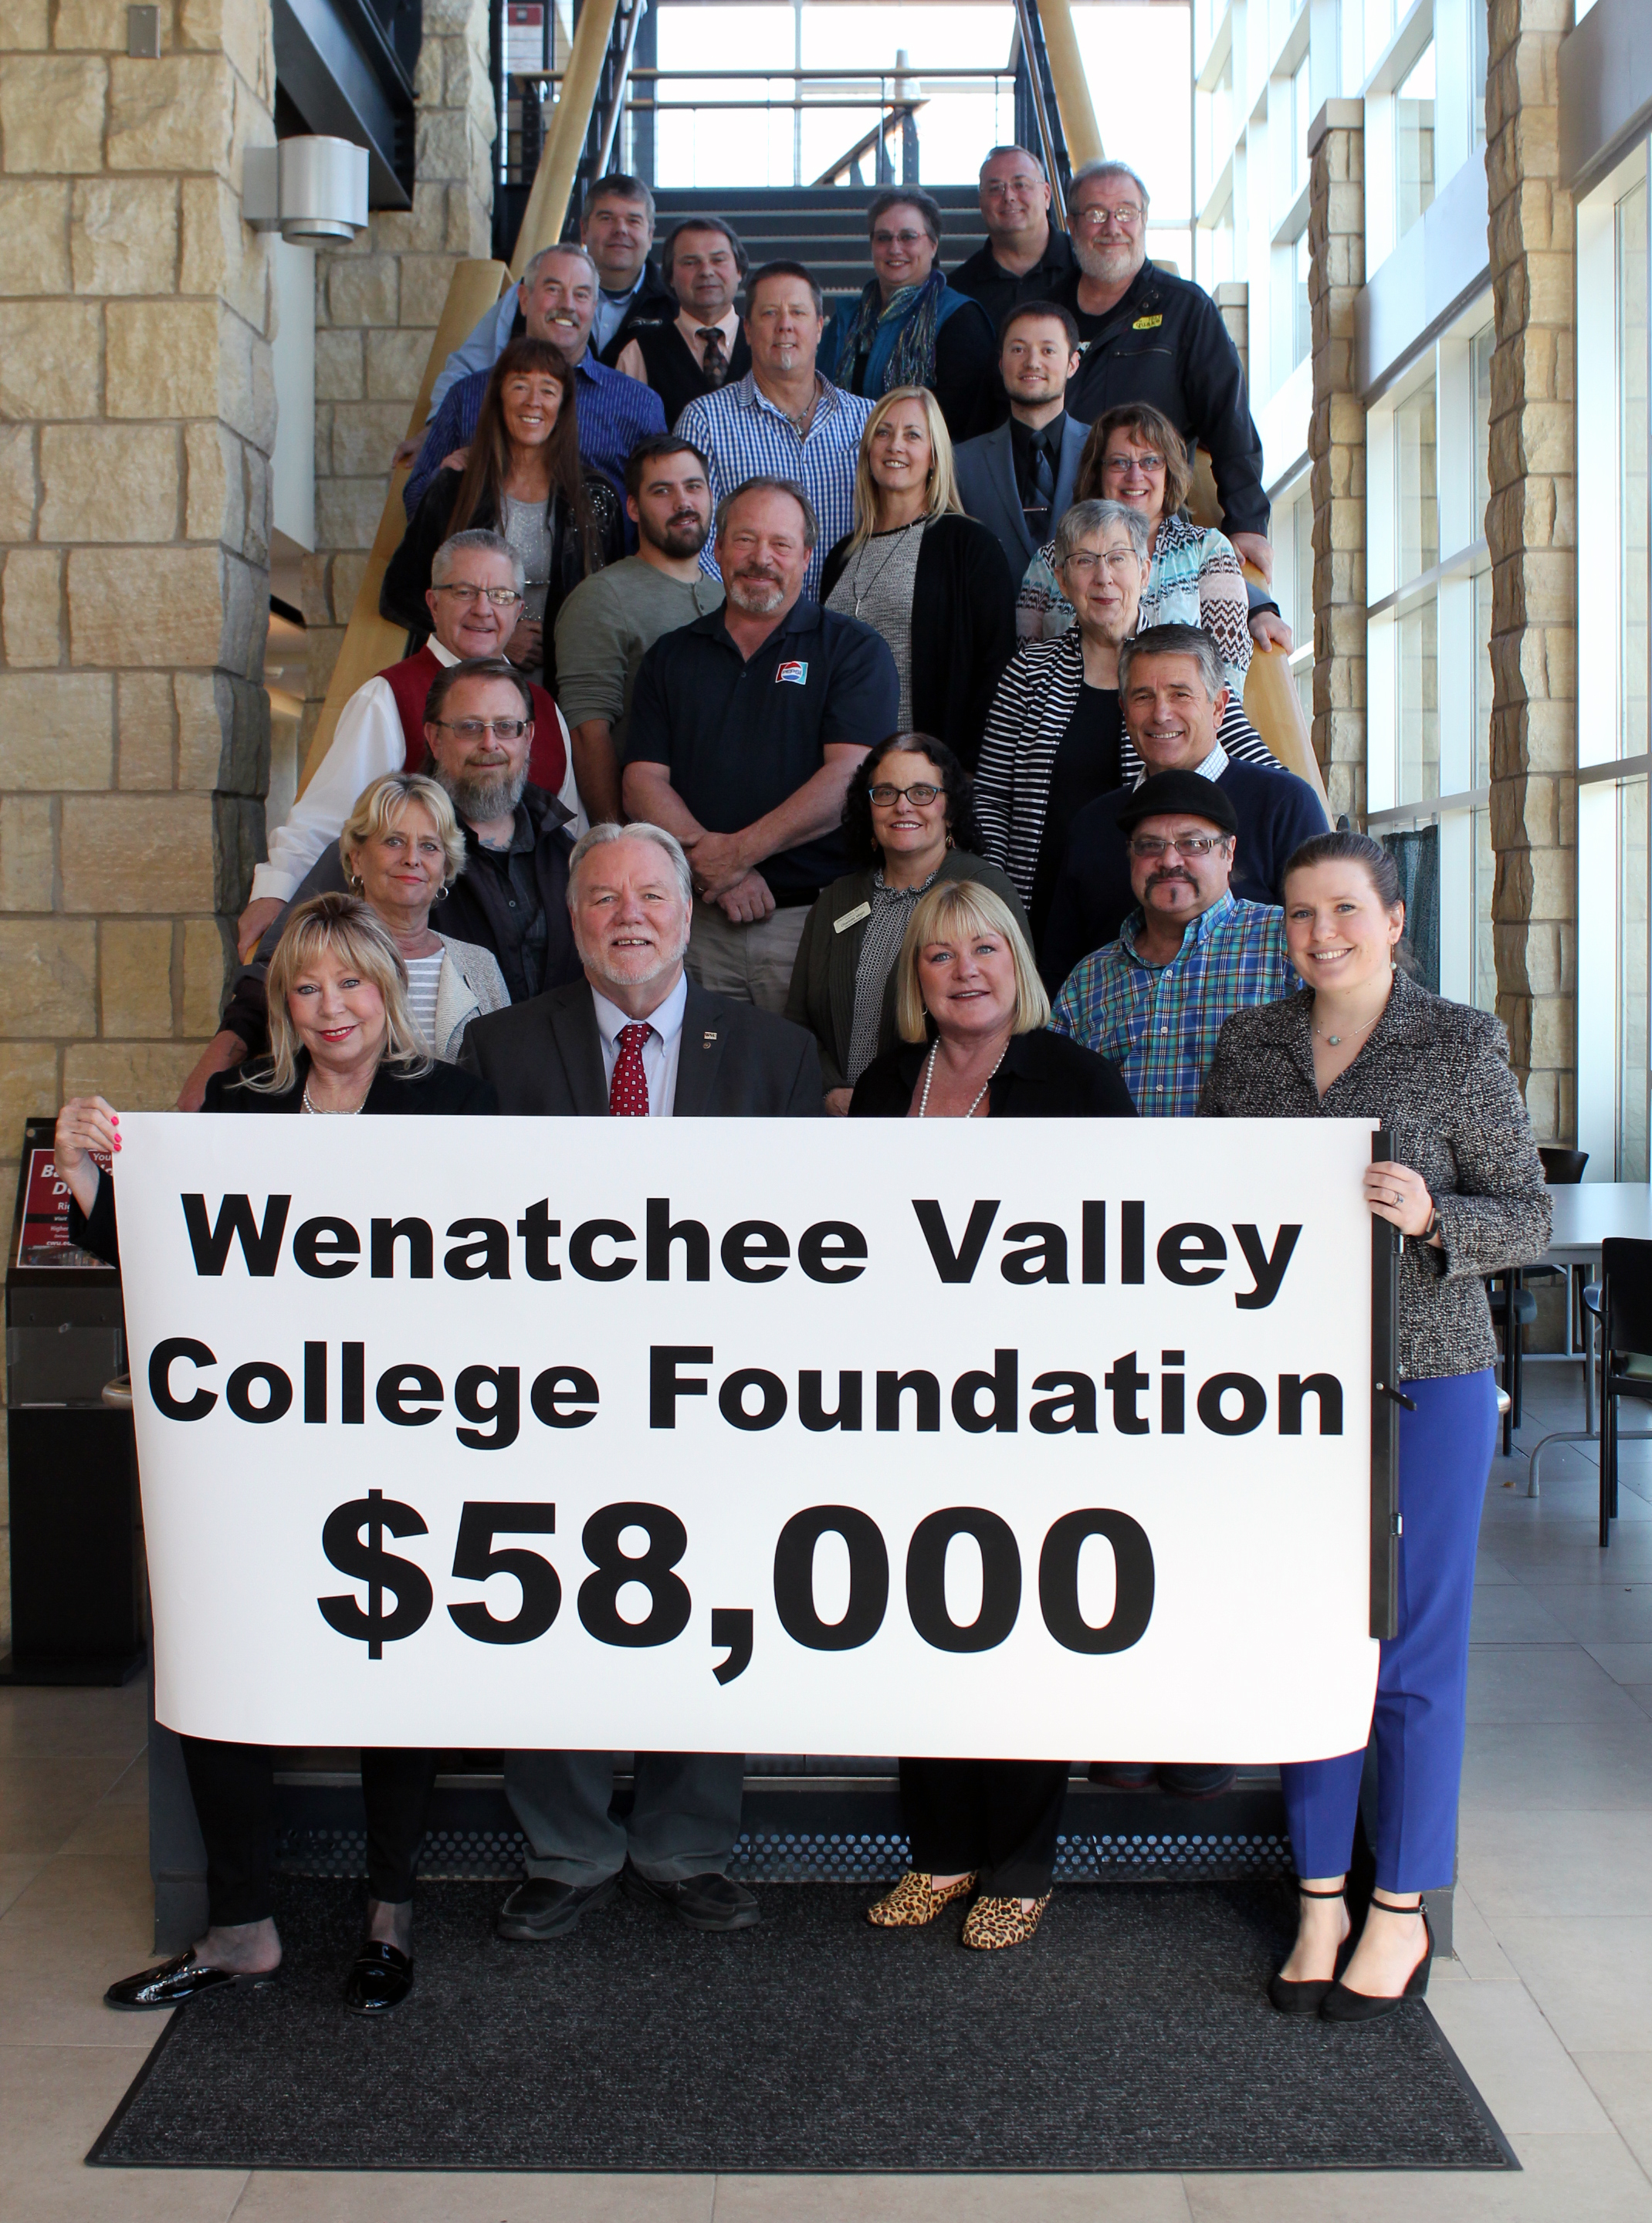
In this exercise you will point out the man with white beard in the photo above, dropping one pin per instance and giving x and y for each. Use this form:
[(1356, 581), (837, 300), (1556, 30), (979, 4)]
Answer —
[(745, 728), (1149, 337)]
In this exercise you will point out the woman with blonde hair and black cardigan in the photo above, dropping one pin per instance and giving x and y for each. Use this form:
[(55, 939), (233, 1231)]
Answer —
[(932, 581), (976, 1044), (341, 1041)]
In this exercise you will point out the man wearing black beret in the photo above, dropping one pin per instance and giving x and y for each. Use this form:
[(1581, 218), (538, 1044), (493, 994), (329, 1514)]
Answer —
[(1190, 953)]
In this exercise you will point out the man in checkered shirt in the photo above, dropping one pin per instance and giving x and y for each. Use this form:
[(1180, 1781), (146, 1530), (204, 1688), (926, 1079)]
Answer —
[(1154, 1000)]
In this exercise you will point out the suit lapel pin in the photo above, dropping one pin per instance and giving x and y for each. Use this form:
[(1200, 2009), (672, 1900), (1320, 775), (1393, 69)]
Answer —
[(710, 1038)]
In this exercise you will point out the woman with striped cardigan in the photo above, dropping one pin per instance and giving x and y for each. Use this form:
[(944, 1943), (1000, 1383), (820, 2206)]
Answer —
[(1054, 736)]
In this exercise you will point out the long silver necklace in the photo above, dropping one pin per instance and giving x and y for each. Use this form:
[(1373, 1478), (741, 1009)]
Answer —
[(929, 1075), (897, 539)]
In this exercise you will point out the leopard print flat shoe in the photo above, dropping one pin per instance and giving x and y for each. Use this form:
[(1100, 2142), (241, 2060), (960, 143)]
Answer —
[(915, 1901), (992, 1923)]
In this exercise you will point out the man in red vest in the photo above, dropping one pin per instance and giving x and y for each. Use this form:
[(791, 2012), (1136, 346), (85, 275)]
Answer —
[(475, 600)]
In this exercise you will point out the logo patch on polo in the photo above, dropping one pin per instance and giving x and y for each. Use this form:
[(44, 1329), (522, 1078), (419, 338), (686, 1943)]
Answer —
[(793, 674), (1147, 324)]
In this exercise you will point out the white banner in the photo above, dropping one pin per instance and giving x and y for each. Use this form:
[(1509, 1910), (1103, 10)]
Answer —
[(1046, 1439)]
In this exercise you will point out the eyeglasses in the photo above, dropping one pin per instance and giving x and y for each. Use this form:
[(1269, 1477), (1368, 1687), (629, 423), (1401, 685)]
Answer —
[(922, 794), (1127, 215), (502, 598), (1119, 562), (1148, 846), (901, 238), (1000, 189), (1121, 466), (475, 729)]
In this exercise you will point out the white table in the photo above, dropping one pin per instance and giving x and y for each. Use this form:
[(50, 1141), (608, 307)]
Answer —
[(1586, 1216)]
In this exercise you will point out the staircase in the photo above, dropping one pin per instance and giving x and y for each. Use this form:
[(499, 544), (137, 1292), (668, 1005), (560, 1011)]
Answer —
[(823, 227)]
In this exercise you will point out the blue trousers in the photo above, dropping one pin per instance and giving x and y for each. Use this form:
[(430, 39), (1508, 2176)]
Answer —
[(1445, 1449)]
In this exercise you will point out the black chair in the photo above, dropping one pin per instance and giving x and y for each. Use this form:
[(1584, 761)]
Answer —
[(1513, 1310), (1624, 1303), (1563, 1168)]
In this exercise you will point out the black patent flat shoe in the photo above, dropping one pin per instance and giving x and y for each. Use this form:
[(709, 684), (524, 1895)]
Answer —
[(381, 1977), (1340, 2004), (175, 1982)]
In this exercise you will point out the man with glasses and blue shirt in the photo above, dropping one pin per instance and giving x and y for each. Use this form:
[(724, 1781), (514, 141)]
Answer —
[(1149, 337)]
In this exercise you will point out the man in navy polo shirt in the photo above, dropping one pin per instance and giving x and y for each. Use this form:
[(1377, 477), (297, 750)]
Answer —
[(745, 728)]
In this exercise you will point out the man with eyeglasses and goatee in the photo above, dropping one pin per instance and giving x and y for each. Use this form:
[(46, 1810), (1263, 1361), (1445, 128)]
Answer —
[(1157, 866), (1150, 336), (477, 740)]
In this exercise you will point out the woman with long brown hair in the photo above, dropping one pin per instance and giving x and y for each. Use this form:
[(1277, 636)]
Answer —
[(522, 476)]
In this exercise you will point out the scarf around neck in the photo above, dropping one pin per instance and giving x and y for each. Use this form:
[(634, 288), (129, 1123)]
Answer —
[(910, 322)]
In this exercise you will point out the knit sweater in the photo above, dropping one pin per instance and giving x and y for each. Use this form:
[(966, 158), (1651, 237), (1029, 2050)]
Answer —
[(1436, 1075)]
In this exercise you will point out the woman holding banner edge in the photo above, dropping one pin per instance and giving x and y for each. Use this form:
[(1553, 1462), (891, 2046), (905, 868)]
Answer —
[(976, 1042), (343, 1040), (1464, 1189)]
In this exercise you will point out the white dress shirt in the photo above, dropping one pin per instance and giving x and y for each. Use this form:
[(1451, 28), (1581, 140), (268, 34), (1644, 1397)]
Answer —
[(1213, 767), (659, 1050), (368, 741)]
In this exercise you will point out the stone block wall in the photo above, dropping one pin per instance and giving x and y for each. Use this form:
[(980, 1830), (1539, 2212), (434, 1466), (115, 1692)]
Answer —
[(378, 303), (1531, 530), (137, 420), (1336, 445)]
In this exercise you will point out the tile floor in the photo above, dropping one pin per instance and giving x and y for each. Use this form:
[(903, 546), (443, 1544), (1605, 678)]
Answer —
[(1548, 2001)]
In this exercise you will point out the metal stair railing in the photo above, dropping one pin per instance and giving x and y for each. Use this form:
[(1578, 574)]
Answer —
[(899, 121)]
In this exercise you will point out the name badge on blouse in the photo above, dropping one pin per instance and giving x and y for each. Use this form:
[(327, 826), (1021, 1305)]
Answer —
[(852, 918)]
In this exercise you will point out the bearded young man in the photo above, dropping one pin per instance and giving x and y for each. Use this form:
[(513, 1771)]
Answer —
[(746, 726)]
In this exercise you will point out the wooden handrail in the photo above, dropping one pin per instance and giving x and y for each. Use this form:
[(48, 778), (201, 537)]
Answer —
[(370, 641), (1079, 127)]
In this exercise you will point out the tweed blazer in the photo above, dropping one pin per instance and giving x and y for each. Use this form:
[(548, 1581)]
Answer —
[(1030, 713), (1436, 1075)]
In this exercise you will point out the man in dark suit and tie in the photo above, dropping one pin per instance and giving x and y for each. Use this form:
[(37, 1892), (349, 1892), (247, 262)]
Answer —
[(1018, 480), (635, 1038)]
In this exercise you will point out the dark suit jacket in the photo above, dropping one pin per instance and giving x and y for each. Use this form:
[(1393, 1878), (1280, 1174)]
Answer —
[(734, 1062), (1041, 1078), (442, 1089), (986, 474)]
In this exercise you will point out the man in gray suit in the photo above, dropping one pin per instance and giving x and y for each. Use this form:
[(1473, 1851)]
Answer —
[(635, 1038), (1018, 479)]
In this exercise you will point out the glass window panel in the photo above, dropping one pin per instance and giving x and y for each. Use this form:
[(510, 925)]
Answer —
[(1302, 327), (1478, 50), (1300, 613), (1632, 460), (1485, 969), (1416, 858), (1416, 486), (1416, 637), (1414, 142), (1631, 981)]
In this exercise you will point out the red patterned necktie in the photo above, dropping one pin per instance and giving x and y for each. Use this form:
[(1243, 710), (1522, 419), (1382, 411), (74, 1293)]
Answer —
[(714, 364), (627, 1092)]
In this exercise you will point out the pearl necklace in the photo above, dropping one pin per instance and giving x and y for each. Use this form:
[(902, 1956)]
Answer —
[(929, 1075), (326, 1112)]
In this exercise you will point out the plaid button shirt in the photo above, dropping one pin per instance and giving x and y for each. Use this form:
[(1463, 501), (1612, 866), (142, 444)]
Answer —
[(745, 437), (1159, 1022)]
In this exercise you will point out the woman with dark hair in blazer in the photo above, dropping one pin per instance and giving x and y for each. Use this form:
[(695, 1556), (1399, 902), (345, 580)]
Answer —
[(342, 1040), (975, 1043), (933, 583), (910, 807), (1465, 1190), (523, 478)]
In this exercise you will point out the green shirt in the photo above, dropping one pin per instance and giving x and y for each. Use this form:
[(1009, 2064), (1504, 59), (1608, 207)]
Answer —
[(604, 629)]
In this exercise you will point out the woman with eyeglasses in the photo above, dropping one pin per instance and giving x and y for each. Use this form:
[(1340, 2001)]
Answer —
[(910, 327), (1054, 736), (910, 809), (523, 476), (1135, 455), (935, 583)]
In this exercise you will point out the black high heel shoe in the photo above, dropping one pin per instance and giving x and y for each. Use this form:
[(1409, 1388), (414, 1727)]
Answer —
[(1294, 1998), (1340, 2004)]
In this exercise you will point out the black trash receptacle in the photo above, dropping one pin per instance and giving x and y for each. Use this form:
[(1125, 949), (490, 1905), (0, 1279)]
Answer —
[(77, 1587)]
